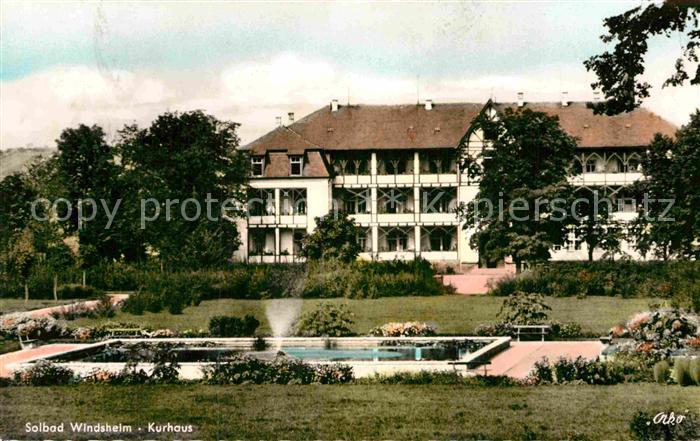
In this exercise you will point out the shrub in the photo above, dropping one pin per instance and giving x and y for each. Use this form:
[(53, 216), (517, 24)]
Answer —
[(681, 372), (76, 291), (662, 372), (524, 309), (566, 331), (644, 428), (21, 324), (44, 373), (327, 320), (407, 329), (565, 371), (225, 326), (443, 378), (249, 370), (495, 330), (694, 369)]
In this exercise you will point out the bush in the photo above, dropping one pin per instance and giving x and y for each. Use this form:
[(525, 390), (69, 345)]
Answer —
[(44, 373), (678, 281), (20, 324), (662, 372), (524, 309), (565, 371), (681, 372), (694, 369), (76, 291), (644, 428), (249, 370), (326, 320), (224, 326), (407, 329), (443, 378)]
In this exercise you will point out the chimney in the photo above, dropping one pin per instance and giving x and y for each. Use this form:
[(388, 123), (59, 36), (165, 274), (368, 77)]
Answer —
[(564, 99), (278, 121), (521, 99), (428, 104), (596, 96), (334, 105), (291, 117)]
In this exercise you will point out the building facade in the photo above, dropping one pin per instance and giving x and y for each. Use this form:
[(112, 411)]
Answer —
[(394, 169)]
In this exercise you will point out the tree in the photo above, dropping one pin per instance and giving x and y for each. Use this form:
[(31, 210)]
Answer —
[(524, 309), (87, 170), (596, 226), (20, 257), (524, 170), (618, 71), (668, 222), (335, 237), (16, 197), (186, 156)]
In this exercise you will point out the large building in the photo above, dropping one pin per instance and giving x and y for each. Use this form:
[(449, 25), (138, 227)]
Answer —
[(394, 169)]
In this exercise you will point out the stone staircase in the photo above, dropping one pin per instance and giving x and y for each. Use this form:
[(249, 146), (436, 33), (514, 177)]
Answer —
[(476, 280)]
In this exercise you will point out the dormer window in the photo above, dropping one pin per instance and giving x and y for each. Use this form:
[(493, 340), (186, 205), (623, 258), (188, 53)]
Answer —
[(258, 165), (296, 165)]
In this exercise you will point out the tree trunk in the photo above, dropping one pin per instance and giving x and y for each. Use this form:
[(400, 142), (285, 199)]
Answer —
[(26, 292), (590, 253), (84, 278), (55, 287), (518, 266)]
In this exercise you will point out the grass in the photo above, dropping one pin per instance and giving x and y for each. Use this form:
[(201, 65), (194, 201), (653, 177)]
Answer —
[(348, 412), (15, 305), (451, 314)]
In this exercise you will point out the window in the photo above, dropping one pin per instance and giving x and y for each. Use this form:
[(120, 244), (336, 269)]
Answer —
[(352, 201), (293, 201), (439, 239), (439, 199), (258, 165), (261, 202), (591, 166), (395, 200), (296, 164), (256, 242), (634, 165), (298, 239), (364, 240), (397, 240)]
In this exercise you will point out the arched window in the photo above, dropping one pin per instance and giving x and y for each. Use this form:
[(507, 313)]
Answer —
[(634, 164), (614, 164)]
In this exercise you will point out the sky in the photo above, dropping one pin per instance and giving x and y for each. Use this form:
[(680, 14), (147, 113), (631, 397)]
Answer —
[(116, 63)]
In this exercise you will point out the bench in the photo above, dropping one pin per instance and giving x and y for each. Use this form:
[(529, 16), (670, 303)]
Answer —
[(540, 330), (124, 332), (27, 343)]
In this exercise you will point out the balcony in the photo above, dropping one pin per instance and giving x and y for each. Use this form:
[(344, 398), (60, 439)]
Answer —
[(439, 255)]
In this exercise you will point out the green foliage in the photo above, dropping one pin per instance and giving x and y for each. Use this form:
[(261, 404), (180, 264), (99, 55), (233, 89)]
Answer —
[(644, 428), (662, 371), (181, 156), (678, 281), (565, 371), (618, 71), (44, 373), (448, 378), (76, 291), (249, 370), (224, 326), (681, 372), (327, 320), (335, 237), (672, 171), (524, 309), (527, 162)]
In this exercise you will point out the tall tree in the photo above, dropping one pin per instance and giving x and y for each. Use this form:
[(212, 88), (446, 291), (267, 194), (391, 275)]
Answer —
[(596, 225), (183, 156), (668, 224), (523, 169), (88, 172), (16, 197), (618, 71)]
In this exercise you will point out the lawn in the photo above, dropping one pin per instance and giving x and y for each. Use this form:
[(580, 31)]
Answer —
[(348, 412), (451, 314), (14, 305)]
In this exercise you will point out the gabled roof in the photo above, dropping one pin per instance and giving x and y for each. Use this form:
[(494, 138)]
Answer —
[(359, 127), (632, 129), (362, 127)]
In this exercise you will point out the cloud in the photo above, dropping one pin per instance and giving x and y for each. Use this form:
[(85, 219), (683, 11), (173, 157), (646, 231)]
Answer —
[(34, 109)]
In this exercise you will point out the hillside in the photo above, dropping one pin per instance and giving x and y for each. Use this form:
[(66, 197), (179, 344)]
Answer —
[(13, 160)]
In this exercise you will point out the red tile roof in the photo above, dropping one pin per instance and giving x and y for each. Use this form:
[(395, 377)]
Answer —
[(360, 127)]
